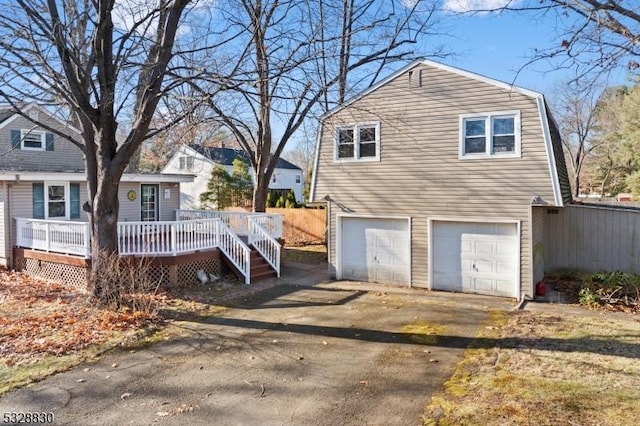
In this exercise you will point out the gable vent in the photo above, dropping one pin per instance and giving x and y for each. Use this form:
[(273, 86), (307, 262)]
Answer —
[(415, 79)]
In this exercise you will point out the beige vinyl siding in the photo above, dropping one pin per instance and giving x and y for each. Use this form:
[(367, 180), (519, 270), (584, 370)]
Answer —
[(419, 173), (130, 210), (537, 240), (64, 157)]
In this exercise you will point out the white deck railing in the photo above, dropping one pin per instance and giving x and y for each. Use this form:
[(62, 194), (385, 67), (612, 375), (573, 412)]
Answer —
[(190, 234), (54, 236), (266, 245), (238, 222), (167, 238)]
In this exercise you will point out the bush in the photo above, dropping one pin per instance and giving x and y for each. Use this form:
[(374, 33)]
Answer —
[(126, 283), (611, 288)]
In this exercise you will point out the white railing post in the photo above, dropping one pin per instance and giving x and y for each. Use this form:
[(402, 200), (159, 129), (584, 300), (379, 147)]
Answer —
[(174, 239), (87, 240), (48, 236)]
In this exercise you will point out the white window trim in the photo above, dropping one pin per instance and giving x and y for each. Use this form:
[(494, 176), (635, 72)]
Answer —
[(67, 200), (488, 117), (187, 167), (159, 187), (43, 140), (356, 142)]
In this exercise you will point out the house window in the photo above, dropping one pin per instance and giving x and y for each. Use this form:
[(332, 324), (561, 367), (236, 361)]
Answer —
[(298, 179), (56, 200), (274, 178), (359, 142), (186, 163), (494, 134), (32, 140)]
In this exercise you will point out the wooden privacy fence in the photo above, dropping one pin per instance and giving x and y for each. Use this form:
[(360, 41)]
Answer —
[(592, 238), (302, 226)]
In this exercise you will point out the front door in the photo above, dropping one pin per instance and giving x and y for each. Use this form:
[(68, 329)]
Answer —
[(149, 202)]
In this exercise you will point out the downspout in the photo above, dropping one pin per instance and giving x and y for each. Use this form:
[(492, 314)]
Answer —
[(6, 188)]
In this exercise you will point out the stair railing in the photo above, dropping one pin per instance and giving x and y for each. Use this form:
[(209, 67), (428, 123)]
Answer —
[(266, 245), (235, 249)]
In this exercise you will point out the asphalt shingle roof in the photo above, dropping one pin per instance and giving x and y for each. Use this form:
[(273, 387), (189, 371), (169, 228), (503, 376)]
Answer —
[(226, 156)]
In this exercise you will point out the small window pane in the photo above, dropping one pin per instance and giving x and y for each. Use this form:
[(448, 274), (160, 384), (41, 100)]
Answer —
[(475, 145), (474, 128), (345, 151), (504, 143), (503, 126), (345, 136), (368, 149), (367, 134), (56, 193), (345, 143)]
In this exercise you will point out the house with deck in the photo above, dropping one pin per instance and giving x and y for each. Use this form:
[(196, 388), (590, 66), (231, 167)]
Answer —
[(45, 232), (440, 178), (200, 161)]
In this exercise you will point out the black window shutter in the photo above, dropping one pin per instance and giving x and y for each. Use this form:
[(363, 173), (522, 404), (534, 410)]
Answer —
[(15, 139), (38, 200), (49, 137)]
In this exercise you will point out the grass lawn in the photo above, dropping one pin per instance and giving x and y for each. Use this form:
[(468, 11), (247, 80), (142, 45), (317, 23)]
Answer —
[(532, 368)]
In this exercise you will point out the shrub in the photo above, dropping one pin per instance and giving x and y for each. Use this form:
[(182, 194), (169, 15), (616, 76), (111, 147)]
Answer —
[(611, 288), (126, 283)]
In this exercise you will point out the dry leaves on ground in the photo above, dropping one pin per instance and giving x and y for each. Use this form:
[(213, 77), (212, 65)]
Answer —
[(39, 318)]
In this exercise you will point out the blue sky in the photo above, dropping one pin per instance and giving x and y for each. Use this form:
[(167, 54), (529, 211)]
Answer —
[(498, 45)]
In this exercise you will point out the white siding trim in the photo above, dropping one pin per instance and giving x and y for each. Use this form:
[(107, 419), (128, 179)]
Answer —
[(518, 224), (341, 216), (316, 161), (551, 159)]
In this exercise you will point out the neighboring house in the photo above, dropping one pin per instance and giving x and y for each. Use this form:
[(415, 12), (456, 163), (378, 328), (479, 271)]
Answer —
[(42, 177), (200, 161), (440, 178)]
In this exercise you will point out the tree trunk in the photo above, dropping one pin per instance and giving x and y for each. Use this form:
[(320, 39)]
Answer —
[(104, 230), (260, 194)]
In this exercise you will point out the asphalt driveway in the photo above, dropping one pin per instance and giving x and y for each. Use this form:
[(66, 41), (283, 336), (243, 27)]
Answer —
[(338, 353)]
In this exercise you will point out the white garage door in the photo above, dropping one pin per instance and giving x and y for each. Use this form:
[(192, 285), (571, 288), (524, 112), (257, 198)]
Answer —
[(375, 250), (476, 258)]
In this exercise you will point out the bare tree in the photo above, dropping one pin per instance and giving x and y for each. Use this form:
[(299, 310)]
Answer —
[(103, 64), (595, 35), (298, 57), (575, 107)]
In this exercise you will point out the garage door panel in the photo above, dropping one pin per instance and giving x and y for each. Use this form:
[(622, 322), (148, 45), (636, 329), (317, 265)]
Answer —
[(375, 250), (483, 257)]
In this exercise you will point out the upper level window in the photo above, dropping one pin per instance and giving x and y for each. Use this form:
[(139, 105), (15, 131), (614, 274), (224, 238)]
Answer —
[(493, 134), (298, 179), (32, 139), (274, 178), (359, 142), (186, 163)]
